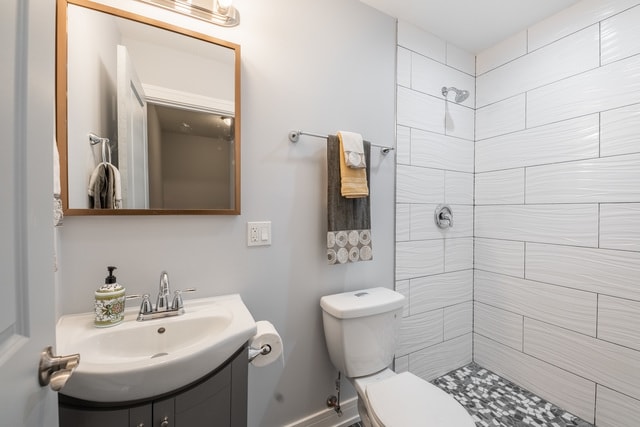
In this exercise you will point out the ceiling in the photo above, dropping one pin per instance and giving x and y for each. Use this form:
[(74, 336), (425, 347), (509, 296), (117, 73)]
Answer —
[(473, 25)]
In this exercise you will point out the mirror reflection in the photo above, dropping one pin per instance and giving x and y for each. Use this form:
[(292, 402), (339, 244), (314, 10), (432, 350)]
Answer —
[(162, 106)]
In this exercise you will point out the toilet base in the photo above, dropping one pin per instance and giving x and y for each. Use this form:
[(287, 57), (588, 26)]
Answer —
[(364, 415)]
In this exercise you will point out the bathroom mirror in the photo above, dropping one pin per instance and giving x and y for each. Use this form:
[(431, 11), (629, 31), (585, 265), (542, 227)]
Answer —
[(148, 115)]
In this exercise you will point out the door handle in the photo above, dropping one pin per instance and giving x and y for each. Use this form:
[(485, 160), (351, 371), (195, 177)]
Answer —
[(55, 371)]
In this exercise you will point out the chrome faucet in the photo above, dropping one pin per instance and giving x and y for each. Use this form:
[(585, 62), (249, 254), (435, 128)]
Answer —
[(164, 307)]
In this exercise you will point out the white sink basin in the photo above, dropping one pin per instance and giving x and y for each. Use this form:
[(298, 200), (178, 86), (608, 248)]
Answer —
[(138, 360)]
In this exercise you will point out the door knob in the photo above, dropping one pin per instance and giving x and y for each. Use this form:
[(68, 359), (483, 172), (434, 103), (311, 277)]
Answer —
[(54, 371)]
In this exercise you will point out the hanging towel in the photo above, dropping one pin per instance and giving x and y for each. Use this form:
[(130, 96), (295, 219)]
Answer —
[(117, 187), (57, 203), (105, 190), (352, 149), (353, 182), (349, 219)]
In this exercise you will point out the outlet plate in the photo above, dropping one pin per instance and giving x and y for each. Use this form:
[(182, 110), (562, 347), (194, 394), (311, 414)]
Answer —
[(259, 233)]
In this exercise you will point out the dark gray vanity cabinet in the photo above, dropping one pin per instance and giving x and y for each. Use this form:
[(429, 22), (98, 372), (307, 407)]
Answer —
[(217, 400)]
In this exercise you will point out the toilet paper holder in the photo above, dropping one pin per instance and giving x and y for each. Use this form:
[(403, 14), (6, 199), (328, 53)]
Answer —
[(262, 351)]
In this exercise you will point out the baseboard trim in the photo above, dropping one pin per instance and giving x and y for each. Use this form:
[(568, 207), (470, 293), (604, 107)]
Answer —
[(329, 418)]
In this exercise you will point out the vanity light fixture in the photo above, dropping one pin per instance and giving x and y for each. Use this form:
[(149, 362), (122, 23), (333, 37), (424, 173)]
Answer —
[(222, 6), (219, 12)]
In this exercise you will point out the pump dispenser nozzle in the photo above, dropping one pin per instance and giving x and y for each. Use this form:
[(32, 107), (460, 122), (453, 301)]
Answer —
[(110, 279)]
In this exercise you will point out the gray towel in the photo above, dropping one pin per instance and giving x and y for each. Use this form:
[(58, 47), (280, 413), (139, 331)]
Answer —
[(102, 194), (349, 220)]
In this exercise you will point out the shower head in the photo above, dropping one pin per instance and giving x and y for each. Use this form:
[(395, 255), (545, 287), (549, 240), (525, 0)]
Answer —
[(461, 95)]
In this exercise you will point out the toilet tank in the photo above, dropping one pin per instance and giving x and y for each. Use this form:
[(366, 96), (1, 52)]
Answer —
[(361, 329)]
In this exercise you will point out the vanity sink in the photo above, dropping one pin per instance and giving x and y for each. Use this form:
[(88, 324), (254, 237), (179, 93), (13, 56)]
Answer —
[(138, 360)]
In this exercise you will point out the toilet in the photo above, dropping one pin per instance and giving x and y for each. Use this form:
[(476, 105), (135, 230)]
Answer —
[(361, 330)]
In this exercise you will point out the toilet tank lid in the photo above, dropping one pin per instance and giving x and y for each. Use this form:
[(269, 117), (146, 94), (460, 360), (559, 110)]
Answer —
[(365, 302)]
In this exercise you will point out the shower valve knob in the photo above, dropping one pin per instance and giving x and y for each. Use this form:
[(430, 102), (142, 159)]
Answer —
[(443, 216)]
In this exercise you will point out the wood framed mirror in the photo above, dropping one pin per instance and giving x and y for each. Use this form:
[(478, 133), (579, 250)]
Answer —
[(147, 115)]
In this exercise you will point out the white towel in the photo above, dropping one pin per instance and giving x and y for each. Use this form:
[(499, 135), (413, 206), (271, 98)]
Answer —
[(353, 149)]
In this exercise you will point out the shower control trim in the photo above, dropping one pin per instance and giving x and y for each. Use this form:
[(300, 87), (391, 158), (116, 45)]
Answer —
[(443, 216)]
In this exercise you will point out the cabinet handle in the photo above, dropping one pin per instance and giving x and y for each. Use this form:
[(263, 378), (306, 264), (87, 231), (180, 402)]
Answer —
[(141, 425), (165, 422)]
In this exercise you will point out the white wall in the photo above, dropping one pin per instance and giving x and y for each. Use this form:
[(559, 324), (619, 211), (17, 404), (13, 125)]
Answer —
[(434, 267), (557, 251), (91, 97), (304, 66)]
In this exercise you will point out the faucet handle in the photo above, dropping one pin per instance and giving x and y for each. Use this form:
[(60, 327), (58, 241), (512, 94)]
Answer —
[(177, 303), (145, 306)]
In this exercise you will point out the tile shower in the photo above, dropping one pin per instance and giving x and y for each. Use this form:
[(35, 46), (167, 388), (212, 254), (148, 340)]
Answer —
[(538, 279)]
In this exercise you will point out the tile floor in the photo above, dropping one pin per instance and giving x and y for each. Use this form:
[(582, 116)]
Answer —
[(494, 401)]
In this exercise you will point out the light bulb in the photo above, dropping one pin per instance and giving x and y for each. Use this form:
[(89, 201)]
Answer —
[(224, 5)]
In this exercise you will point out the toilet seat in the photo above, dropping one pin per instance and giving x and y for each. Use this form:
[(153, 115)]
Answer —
[(404, 399)]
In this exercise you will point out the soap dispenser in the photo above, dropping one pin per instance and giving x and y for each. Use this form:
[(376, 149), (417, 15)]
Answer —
[(109, 302)]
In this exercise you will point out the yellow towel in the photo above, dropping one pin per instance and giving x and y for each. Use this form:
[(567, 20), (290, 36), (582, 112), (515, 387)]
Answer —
[(353, 181)]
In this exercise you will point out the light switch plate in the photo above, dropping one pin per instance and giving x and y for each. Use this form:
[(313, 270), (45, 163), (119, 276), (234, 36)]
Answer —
[(259, 233)]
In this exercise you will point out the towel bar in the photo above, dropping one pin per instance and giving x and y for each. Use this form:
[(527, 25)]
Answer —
[(106, 146), (294, 136)]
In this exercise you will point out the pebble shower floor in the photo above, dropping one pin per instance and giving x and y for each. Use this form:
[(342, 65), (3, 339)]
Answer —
[(494, 401)]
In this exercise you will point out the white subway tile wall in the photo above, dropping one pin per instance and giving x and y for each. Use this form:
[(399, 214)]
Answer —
[(569, 140), (435, 360), (561, 387), (505, 51), (544, 179), (571, 55), (434, 267), (615, 409), (500, 118), (557, 210)]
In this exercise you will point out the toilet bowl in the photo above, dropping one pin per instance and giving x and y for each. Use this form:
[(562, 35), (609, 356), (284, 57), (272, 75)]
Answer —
[(361, 330), (388, 399)]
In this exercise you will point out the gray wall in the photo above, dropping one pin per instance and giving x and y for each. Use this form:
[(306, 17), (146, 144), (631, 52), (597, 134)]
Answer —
[(319, 67), (557, 220)]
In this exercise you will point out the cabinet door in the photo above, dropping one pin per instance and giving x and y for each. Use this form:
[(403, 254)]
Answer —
[(140, 416), (80, 417), (239, 389), (219, 401), (164, 413), (208, 404)]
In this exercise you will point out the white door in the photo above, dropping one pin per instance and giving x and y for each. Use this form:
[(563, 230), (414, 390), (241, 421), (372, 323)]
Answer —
[(27, 316), (132, 134)]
